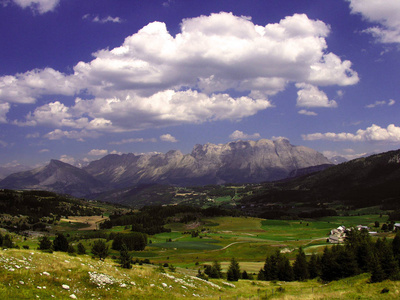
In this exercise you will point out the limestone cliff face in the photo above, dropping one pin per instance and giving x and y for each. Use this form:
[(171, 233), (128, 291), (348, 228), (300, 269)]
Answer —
[(235, 162)]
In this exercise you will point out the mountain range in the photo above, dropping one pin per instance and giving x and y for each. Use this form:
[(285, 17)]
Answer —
[(234, 162)]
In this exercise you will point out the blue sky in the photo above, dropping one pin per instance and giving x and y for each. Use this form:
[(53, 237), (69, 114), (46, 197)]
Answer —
[(82, 79)]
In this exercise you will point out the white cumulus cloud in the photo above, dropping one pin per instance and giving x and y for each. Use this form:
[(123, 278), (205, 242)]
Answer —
[(155, 79), (240, 135), (307, 112), (40, 6), (374, 133), (98, 152), (133, 140), (67, 159), (4, 108), (384, 12), (97, 19), (310, 96), (168, 138), (58, 134)]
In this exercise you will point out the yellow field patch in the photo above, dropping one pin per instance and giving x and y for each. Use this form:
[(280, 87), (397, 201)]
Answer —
[(92, 221)]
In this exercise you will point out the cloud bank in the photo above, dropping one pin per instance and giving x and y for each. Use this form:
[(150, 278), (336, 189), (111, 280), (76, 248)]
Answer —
[(155, 79), (381, 103), (240, 135), (384, 12), (374, 133)]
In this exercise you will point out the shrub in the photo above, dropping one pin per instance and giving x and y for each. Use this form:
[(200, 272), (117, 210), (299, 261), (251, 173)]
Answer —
[(100, 249), (125, 258), (81, 249), (45, 243), (71, 249), (7, 241), (60, 243)]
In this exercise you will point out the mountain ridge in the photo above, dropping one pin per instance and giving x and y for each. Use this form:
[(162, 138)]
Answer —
[(361, 182), (234, 162), (57, 176)]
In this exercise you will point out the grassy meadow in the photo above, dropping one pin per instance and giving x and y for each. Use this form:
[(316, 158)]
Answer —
[(30, 273), (27, 274)]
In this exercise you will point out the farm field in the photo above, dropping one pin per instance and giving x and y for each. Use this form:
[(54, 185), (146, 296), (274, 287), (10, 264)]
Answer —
[(82, 222), (249, 240), (245, 238)]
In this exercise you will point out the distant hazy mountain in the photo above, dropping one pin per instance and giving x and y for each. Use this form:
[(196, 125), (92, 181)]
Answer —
[(309, 170), (57, 177), (5, 171), (235, 162), (361, 182), (338, 160)]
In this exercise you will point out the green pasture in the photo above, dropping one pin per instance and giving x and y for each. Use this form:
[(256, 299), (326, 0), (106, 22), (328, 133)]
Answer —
[(224, 199), (351, 221), (208, 244), (247, 239), (235, 223), (162, 237), (70, 226)]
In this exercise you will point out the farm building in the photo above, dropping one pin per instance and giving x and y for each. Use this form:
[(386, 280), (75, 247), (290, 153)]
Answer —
[(337, 235)]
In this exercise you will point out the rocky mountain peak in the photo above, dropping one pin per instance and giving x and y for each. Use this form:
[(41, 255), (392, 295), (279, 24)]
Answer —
[(234, 162)]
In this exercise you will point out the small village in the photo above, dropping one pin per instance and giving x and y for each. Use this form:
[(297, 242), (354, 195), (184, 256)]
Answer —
[(338, 235)]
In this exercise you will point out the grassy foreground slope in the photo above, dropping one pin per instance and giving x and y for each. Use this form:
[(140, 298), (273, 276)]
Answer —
[(31, 274)]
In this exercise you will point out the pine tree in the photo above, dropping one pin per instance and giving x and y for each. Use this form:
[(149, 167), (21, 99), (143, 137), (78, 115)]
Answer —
[(71, 249), (364, 255), (300, 269), (216, 269), (377, 274), (125, 257), (261, 275), (245, 275), (389, 264), (285, 270), (100, 249), (328, 263), (396, 246), (7, 241), (60, 243), (271, 266), (313, 266), (45, 243), (346, 263), (233, 270)]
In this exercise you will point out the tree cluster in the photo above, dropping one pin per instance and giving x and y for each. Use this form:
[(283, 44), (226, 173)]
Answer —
[(151, 219), (359, 255), (135, 241), (213, 271), (41, 207)]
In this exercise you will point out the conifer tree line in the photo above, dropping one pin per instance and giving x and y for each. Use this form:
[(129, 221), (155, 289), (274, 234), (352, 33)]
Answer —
[(358, 255), (151, 219)]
